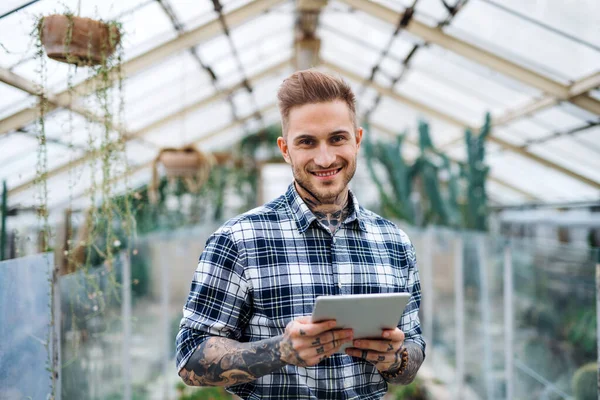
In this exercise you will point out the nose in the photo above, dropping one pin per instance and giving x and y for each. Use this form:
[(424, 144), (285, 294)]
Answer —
[(325, 156)]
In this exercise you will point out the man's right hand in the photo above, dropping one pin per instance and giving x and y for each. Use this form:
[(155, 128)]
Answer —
[(306, 344)]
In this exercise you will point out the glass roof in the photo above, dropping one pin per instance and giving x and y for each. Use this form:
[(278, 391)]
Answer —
[(534, 65)]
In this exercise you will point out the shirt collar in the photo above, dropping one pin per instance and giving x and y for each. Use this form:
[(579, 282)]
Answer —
[(304, 216)]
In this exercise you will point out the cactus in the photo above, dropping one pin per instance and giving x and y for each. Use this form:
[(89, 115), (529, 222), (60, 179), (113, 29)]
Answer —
[(441, 206), (585, 382), (390, 155), (475, 171)]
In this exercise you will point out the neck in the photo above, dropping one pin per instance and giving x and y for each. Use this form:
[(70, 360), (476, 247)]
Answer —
[(330, 213), (323, 205)]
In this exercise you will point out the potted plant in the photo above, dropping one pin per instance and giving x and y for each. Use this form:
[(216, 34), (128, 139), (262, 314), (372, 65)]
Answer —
[(78, 40), (186, 163)]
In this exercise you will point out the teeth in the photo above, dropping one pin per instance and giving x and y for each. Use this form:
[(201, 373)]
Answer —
[(326, 173)]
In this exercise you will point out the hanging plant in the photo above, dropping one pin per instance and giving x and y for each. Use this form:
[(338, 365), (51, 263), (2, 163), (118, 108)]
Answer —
[(76, 40), (187, 163)]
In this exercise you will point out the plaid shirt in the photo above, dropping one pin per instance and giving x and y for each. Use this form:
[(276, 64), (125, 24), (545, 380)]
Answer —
[(264, 268)]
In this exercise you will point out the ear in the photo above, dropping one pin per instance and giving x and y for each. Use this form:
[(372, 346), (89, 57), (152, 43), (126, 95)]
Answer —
[(283, 147), (359, 134)]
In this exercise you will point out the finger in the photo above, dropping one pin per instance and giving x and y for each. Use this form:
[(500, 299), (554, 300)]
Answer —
[(326, 354), (332, 336), (383, 346), (310, 329), (371, 356), (395, 335)]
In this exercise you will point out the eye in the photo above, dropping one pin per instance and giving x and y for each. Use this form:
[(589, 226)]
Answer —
[(305, 142), (338, 139)]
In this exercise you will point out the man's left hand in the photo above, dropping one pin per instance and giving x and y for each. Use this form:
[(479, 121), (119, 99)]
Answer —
[(381, 352)]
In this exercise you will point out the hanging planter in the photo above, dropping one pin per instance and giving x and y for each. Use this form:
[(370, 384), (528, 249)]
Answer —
[(187, 163), (77, 40)]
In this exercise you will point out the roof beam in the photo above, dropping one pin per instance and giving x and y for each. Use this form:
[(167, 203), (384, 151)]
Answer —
[(32, 88), (414, 104), (145, 130), (456, 122), (136, 168), (477, 54), (527, 195), (576, 95), (142, 61)]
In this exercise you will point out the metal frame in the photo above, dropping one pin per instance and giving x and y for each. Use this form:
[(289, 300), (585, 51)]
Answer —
[(149, 128), (477, 54), (137, 168), (140, 62), (456, 122)]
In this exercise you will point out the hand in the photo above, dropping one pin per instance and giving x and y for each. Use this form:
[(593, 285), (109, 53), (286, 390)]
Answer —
[(306, 344), (384, 353)]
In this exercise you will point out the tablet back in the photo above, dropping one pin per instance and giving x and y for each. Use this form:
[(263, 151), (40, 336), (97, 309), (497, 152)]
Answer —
[(366, 314)]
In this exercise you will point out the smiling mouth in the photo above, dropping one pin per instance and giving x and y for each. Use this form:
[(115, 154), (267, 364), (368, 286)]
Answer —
[(326, 174)]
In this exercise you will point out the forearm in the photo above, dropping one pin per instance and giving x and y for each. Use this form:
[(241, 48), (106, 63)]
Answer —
[(415, 359), (225, 362)]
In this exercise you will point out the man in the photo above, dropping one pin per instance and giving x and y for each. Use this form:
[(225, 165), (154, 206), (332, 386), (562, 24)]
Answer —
[(246, 324)]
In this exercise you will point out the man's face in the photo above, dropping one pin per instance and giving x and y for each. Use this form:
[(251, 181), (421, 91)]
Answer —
[(321, 146)]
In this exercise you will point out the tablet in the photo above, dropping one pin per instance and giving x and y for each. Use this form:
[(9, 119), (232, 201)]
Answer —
[(366, 314)]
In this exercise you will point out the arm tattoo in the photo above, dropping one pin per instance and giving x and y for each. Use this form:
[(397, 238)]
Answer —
[(415, 359), (225, 362)]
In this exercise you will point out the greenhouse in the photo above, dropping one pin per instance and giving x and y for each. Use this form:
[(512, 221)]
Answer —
[(175, 197)]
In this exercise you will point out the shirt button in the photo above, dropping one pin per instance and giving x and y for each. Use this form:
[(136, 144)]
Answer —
[(340, 285)]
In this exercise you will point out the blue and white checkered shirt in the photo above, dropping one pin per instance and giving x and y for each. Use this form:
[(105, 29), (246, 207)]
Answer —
[(264, 268)]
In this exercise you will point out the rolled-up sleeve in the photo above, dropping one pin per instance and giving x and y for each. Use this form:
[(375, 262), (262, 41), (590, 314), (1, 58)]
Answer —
[(410, 323), (218, 303)]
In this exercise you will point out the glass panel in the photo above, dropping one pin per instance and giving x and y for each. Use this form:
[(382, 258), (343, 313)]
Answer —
[(262, 28), (25, 327), (145, 29), (556, 119), (590, 138), (578, 21), (16, 146), (192, 127), (542, 182), (465, 77), (503, 195), (92, 333), (554, 308), (485, 26), (9, 96), (423, 89), (193, 14), (579, 112), (572, 155)]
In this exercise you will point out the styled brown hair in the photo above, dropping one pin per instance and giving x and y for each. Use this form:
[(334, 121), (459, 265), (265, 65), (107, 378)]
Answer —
[(309, 87)]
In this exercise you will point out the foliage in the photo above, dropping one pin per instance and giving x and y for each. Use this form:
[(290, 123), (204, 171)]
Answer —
[(202, 393), (414, 391), (434, 178)]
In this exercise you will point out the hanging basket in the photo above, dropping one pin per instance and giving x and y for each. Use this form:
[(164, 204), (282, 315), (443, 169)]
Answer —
[(187, 163), (77, 40)]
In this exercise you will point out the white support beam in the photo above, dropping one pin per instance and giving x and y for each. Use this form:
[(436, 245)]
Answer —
[(477, 54), (456, 122), (151, 127), (512, 188), (130, 67), (414, 104), (55, 101)]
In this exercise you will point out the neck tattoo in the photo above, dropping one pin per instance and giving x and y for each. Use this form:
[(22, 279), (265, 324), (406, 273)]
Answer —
[(331, 214)]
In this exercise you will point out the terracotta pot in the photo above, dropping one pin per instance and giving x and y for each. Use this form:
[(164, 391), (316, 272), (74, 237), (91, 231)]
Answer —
[(183, 162), (91, 41)]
